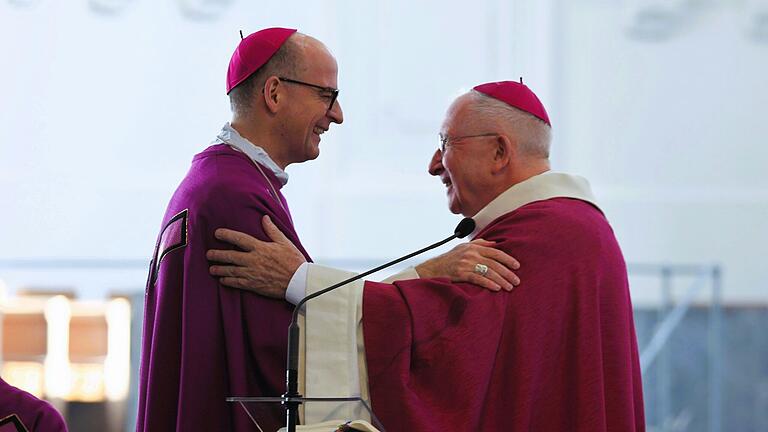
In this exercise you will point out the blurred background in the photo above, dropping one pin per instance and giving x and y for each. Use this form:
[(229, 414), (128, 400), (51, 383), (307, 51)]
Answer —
[(660, 104)]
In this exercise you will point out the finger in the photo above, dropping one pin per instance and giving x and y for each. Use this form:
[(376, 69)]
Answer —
[(272, 231), (231, 271), (234, 282), (498, 280), (509, 277), (500, 257), (483, 282), (227, 256), (237, 238), (483, 242)]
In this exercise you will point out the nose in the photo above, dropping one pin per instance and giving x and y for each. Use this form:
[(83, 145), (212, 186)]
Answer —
[(436, 164), (335, 113)]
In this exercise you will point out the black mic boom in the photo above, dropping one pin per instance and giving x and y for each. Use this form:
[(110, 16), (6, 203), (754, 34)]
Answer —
[(463, 229)]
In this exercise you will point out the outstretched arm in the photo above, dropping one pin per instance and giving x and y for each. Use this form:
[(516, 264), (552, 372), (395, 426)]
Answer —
[(266, 268), (465, 262)]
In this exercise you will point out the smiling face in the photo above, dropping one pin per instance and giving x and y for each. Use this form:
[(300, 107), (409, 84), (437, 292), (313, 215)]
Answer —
[(309, 116), (465, 166)]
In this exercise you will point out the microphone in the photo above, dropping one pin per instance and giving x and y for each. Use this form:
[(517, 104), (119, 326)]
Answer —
[(463, 229)]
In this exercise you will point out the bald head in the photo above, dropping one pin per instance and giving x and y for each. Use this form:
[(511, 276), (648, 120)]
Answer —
[(289, 60), (288, 103), (533, 136)]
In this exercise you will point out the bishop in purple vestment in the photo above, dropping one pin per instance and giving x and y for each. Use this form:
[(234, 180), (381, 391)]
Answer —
[(201, 343)]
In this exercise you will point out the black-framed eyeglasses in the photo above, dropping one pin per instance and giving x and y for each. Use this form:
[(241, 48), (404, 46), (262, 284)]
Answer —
[(333, 93), (445, 141)]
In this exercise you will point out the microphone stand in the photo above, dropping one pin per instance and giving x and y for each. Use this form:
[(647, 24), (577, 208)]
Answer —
[(292, 397)]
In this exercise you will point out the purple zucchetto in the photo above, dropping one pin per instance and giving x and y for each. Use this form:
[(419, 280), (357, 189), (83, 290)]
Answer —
[(253, 52), (515, 94)]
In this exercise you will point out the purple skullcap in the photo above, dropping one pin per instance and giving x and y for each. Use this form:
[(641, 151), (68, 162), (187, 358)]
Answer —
[(515, 94), (253, 52)]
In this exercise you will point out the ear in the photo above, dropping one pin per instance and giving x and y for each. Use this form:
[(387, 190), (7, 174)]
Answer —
[(272, 94), (505, 152)]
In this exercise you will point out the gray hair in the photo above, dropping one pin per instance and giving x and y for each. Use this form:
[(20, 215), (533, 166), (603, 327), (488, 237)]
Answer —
[(532, 133), (285, 61)]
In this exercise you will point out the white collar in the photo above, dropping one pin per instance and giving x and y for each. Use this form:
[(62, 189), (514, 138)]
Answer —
[(229, 135), (540, 187)]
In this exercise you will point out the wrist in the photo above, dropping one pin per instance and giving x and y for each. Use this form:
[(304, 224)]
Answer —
[(426, 269)]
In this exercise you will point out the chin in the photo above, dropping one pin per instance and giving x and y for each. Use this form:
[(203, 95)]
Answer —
[(313, 150), (454, 208)]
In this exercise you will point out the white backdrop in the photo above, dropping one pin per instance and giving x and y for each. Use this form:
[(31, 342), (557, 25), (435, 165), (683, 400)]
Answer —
[(104, 103)]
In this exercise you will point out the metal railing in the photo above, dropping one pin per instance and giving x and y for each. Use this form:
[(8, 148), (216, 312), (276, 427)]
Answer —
[(673, 314)]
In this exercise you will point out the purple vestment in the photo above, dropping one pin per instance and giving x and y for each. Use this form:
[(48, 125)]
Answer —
[(35, 414), (203, 342), (558, 353)]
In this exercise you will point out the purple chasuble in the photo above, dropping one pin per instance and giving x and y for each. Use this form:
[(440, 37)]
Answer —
[(203, 342), (558, 353), (36, 415)]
